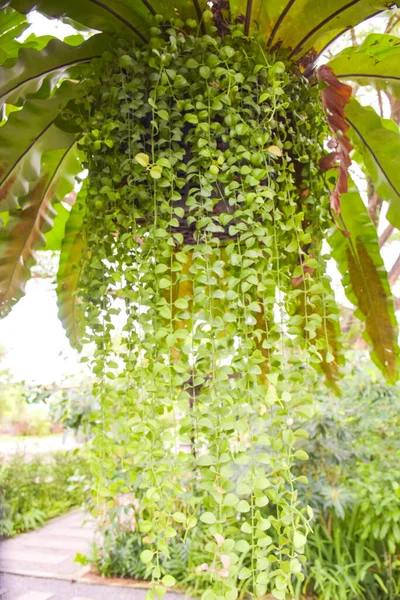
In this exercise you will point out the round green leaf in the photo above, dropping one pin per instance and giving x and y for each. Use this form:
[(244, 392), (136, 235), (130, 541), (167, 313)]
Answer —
[(299, 540), (179, 517), (168, 580), (142, 159), (242, 546), (208, 518), (156, 172), (205, 71), (146, 556)]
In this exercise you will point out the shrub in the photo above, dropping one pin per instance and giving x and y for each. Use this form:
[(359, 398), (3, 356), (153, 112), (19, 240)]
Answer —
[(354, 488), (37, 488)]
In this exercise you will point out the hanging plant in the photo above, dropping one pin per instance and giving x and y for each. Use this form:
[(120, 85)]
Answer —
[(205, 214)]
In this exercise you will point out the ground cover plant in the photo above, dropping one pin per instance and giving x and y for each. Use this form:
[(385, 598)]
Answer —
[(199, 232)]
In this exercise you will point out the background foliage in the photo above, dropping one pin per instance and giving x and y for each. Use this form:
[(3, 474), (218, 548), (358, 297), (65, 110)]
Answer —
[(37, 488)]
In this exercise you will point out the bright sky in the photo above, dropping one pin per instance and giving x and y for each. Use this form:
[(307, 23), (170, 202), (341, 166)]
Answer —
[(40, 25), (33, 337), (36, 345)]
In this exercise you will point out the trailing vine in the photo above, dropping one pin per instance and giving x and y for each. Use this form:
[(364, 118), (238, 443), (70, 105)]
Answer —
[(204, 219)]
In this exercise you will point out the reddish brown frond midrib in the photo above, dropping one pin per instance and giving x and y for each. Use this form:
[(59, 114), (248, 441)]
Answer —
[(335, 96)]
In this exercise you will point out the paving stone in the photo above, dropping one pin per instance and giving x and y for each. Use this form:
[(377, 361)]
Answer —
[(65, 590), (36, 596), (36, 557), (81, 526), (77, 520), (48, 553), (70, 533), (58, 543), (66, 570)]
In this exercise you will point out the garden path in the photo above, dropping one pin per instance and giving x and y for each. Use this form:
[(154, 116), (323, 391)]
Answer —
[(15, 587), (36, 444), (39, 565), (49, 551)]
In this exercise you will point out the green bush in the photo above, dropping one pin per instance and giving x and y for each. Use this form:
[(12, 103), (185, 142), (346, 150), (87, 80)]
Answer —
[(37, 488), (354, 489)]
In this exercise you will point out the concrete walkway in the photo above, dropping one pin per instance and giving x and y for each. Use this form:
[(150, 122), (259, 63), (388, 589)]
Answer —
[(39, 565), (17, 587), (50, 551)]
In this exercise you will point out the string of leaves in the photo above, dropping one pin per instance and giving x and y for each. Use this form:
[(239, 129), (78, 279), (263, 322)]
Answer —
[(204, 292)]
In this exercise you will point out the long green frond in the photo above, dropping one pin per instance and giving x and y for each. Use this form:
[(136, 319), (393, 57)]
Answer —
[(72, 248), (364, 278), (305, 26), (25, 229), (12, 25), (27, 134), (375, 62), (378, 141), (27, 74), (113, 16)]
